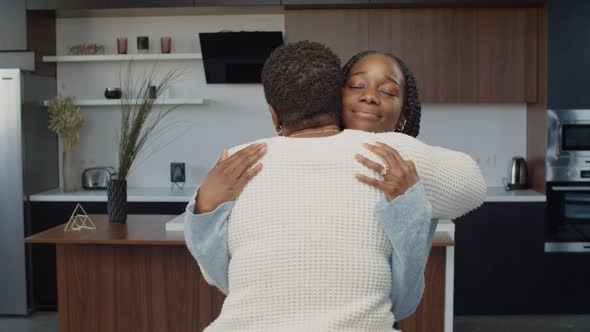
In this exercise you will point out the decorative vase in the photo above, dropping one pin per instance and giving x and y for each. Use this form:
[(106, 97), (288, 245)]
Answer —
[(69, 173), (117, 200)]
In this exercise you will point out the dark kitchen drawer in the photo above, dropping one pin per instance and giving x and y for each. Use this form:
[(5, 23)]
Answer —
[(501, 267)]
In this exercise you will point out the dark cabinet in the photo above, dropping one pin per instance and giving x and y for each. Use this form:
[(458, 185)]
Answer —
[(458, 2), (66, 4), (13, 26), (45, 215), (501, 267), (568, 52)]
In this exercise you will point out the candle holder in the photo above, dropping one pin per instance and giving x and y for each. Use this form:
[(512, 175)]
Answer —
[(122, 45), (143, 44)]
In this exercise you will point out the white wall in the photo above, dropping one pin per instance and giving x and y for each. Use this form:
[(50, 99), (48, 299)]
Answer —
[(491, 134), (235, 114)]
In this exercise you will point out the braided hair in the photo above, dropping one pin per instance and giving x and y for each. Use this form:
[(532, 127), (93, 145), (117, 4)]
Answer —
[(412, 109)]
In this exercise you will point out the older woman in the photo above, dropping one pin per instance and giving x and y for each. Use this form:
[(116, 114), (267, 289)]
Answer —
[(397, 107), (307, 251)]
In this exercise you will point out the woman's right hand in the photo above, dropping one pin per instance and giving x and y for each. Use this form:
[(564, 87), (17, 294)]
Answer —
[(398, 174), (228, 177)]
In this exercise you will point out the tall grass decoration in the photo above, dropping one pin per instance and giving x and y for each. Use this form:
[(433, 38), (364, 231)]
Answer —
[(65, 119), (140, 123)]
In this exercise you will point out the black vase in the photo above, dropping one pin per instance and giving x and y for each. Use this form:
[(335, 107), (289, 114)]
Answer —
[(117, 200)]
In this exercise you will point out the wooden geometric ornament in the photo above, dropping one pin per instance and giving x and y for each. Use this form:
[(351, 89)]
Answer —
[(79, 220)]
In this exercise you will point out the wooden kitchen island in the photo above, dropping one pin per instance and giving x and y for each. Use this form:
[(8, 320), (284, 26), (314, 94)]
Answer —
[(139, 277)]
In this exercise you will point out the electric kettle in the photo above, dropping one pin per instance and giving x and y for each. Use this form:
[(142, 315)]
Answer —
[(517, 174)]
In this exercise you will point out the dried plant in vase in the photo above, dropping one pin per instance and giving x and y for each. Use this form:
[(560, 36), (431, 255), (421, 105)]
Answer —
[(65, 119), (140, 127)]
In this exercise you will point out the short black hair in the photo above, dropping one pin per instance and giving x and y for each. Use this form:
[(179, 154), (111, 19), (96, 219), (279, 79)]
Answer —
[(412, 109), (302, 82)]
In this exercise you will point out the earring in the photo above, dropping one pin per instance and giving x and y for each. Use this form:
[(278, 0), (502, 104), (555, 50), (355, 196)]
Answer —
[(280, 130), (401, 130)]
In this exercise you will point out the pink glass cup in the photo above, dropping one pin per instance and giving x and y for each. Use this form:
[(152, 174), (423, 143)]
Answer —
[(122, 45), (166, 44)]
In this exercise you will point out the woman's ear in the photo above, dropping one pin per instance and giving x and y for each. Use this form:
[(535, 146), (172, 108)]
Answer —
[(275, 119)]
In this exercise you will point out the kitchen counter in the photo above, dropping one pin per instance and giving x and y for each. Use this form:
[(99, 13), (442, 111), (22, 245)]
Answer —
[(132, 269), (133, 195), (495, 194), (499, 194)]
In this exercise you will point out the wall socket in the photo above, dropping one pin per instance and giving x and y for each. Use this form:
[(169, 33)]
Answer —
[(486, 162)]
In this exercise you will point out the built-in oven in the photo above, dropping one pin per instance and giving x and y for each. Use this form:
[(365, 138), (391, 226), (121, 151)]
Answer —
[(567, 227)]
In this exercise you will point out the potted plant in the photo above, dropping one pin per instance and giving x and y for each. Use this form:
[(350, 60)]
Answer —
[(65, 119), (139, 127)]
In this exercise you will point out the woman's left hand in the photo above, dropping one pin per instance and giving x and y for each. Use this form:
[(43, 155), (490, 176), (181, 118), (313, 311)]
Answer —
[(398, 174)]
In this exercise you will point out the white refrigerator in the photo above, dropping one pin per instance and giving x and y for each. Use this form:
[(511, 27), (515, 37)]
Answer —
[(28, 164)]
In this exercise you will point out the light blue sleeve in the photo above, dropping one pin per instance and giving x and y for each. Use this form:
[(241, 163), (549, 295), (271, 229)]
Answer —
[(408, 225), (206, 238)]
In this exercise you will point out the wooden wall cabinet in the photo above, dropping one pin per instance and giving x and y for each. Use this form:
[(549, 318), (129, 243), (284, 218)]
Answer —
[(237, 2), (459, 55), (344, 31)]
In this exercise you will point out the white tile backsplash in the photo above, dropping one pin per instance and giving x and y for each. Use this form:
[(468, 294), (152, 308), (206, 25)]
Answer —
[(491, 133)]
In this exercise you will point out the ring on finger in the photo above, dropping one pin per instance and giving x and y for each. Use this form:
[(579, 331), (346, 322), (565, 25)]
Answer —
[(384, 170)]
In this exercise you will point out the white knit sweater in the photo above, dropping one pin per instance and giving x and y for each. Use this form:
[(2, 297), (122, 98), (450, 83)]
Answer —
[(306, 250)]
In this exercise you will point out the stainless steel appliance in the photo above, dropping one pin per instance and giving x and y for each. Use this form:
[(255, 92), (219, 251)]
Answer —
[(517, 174), (28, 164), (97, 177), (568, 181)]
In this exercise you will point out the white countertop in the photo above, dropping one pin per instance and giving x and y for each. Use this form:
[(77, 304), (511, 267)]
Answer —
[(133, 195), (177, 225), (499, 194), (495, 194)]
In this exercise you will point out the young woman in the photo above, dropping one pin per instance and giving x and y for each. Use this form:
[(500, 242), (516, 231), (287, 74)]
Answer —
[(379, 95)]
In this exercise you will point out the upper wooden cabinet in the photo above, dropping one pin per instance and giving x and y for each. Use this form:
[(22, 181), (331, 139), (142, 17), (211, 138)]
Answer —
[(344, 31), (459, 55), (236, 2), (325, 2)]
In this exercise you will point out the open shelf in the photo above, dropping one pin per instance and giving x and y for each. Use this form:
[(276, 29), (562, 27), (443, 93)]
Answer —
[(122, 57), (116, 102)]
